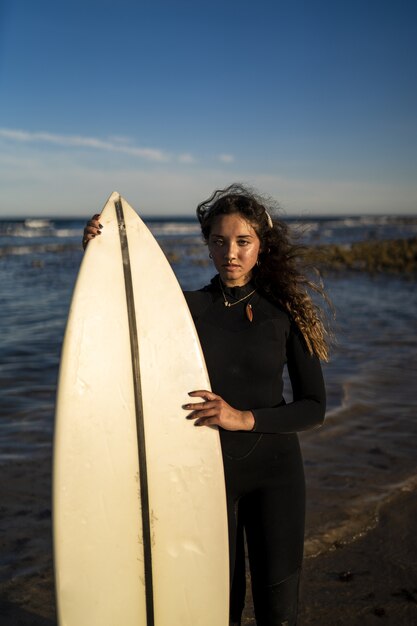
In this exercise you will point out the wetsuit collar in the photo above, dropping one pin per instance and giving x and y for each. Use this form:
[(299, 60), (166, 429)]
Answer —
[(233, 292)]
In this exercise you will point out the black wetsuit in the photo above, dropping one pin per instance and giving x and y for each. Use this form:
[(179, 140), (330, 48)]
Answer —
[(263, 468)]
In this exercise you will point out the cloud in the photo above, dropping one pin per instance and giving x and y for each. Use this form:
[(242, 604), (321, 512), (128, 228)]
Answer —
[(53, 184), (186, 158), (226, 158), (58, 182), (116, 144), (331, 196)]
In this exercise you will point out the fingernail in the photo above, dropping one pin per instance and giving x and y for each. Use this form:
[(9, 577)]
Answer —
[(198, 424), (99, 232), (101, 225)]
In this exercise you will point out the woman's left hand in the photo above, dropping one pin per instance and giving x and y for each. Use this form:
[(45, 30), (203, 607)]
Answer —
[(216, 412)]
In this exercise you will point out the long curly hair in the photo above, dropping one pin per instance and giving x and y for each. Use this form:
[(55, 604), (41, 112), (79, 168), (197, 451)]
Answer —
[(281, 274)]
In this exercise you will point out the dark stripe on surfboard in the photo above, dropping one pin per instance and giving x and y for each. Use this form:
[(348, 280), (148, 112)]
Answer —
[(143, 476)]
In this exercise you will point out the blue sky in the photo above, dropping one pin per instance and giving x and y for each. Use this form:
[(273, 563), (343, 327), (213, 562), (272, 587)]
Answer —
[(312, 102)]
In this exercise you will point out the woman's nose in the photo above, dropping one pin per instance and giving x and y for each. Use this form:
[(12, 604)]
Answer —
[(230, 252)]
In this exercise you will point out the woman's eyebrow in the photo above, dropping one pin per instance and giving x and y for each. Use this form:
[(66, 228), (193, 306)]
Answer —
[(237, 236)]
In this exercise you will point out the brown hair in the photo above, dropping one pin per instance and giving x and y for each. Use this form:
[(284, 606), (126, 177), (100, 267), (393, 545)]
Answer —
[(281, 274)]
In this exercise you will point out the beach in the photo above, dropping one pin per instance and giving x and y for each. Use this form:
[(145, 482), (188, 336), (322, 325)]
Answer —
[(360, 562), (371, 579)]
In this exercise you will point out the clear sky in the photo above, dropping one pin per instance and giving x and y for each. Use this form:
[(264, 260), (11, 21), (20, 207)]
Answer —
[(313, 102)]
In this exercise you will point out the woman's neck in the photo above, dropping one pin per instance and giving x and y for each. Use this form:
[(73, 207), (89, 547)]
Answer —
[(241, 282)]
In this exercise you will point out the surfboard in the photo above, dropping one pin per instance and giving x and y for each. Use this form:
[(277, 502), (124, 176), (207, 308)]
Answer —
[(139, 506)]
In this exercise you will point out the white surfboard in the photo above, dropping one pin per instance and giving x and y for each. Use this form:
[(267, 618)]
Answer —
[(139, 508)]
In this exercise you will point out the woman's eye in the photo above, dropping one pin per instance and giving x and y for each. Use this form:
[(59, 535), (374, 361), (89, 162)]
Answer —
[(243, 242), (218, 242)]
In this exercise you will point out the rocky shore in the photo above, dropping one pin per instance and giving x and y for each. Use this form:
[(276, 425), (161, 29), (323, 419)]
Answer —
[(393, 256), (397, 256)]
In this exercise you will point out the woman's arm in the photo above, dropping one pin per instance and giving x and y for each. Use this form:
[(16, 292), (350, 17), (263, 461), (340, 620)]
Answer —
[(308, 407), (305, 411)]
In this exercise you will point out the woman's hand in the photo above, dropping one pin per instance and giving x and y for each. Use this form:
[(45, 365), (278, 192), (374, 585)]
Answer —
[(215, 411), (92, 229)]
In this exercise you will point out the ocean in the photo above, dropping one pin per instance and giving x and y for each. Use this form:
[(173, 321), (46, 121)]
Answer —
[(363, 454)]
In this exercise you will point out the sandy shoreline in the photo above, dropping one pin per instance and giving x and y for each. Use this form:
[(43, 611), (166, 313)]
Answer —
[(372, 580), (369, 581)]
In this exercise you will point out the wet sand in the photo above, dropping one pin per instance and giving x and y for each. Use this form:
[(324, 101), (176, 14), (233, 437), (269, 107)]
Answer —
[(371, 580)]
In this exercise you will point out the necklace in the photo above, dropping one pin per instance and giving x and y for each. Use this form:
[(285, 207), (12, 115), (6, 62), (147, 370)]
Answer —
[(248, 308)]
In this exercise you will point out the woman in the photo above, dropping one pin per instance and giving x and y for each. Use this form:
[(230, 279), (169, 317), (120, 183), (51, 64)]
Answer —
[(253, 318)]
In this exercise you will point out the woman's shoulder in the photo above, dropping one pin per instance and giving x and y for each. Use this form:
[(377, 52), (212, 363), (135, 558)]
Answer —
[(273, 310)]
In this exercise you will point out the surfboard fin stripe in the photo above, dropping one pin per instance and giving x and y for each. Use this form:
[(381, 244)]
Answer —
[(143, 481)]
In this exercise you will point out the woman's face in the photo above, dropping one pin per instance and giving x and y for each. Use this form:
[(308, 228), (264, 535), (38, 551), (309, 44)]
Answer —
[(234, 247)]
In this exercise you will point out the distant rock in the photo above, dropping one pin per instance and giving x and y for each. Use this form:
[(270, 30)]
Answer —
[(395, 256)]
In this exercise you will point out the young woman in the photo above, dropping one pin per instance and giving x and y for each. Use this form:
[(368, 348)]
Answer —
[(254, 318)]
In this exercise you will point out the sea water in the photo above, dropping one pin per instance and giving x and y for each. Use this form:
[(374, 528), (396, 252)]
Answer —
[(362, 455)]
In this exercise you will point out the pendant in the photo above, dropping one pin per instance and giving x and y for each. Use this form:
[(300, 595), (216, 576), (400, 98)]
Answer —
[(249, 312)]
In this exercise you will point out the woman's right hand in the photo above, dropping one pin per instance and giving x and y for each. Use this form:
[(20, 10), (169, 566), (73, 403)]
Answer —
[(92, 229)]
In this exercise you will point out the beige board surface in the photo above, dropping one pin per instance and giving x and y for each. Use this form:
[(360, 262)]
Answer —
[(97, 523)]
